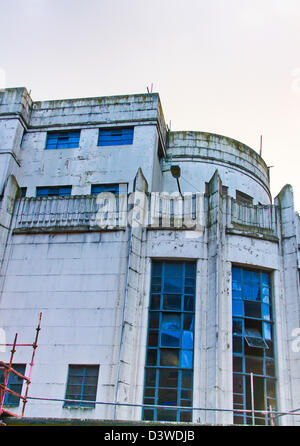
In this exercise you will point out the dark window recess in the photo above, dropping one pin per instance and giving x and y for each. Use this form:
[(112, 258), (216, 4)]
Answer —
[(99, 188), (23, 192), (14, 383), (58, 191), (115, 137), (243, 198), (63, 140), (82, 385)]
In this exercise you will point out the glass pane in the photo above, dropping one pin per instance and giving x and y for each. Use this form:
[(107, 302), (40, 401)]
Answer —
[(172, 302), (153, 338), (173, 285), (91, 380), (254, 365), (251, 276), (150, 377), (167, 396), (238, 386), (271, 390), (169, 357), (270, 367), (166, 415), (174, 270), (267, 333), (236, 290), (150, 391), (252, 292), (171, 321), (149, 401), (154, 320), (188, 303), (266, 294), (156, 268), (170, 338), (237, 344), (253, 309), (148, 414), (265, 279), (237, 326), (266, 313), (237, 307), (237, 364), (92, 371), (155, 288), (151, 357), (186, 394), (185, 416), (187, 379), (155, 302), (190, 269), (168, 378), (186, 359), (187, 339), (236, 273), (238, 399)]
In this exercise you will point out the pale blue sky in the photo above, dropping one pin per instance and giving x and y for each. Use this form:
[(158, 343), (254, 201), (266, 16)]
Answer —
[(225, 66)]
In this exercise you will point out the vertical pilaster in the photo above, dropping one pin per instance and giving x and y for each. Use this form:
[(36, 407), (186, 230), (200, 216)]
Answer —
[(289, 315), (15, 110), (219, 353), (131, 313)]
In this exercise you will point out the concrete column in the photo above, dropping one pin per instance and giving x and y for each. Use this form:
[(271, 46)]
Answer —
[(219, 315), (127, 367), (289, 367), (15, 110)]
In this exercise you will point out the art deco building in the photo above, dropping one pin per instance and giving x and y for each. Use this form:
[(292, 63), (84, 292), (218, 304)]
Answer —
[(167, 277)]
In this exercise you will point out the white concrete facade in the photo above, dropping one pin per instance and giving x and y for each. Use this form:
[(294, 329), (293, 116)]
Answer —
[(92, 282)]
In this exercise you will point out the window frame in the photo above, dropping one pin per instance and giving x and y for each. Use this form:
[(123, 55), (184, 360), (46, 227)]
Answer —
[(15, 386), (40, 188), (184, 393), (82, 402), (106, 136), (245, 356), (59, 136)]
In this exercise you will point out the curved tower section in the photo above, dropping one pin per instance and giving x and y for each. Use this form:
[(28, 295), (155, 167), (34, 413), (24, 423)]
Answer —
[(199, 154)]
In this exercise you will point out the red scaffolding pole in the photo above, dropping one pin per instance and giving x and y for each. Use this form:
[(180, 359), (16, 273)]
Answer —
[(8, 369)]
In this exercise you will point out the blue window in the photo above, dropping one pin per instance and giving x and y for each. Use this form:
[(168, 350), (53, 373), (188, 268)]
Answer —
[(253, 347), (169, 362), (58, 191), (99, 188), (82, 385), (115, 137), (14, 383), (63, 140)]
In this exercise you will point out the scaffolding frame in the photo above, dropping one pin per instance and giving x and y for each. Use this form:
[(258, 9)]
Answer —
[(8, 369)]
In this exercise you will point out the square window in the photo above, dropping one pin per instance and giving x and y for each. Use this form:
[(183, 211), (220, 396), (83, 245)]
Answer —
[(82, 385), (15, 384)]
